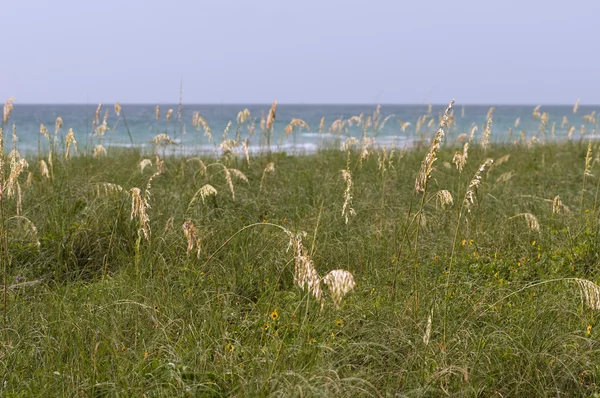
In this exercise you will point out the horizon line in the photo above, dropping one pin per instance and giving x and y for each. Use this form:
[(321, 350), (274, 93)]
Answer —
[(184, 104)]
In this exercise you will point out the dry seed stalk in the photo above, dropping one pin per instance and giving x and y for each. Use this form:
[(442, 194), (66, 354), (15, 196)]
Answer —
[(475, 182), (340, 282), (427, 164), (193, 239), (347, 210), (8, 108), (289, 129)]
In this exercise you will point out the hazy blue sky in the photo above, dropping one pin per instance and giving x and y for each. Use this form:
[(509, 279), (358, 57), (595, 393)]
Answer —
[(308, 51)]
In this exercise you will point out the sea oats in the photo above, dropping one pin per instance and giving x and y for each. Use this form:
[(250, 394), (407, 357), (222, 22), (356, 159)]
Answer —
[(160, 165), (427, 334), (70, 141), (162, 139), (295, 123), (16, 168), (226, 130), (355, 120), (340, 283), (590, 293), (385, 159), (246, 151), (404, 125), (338, 126), (108, 189), (505, 177), (44, 132), (271, 117), (96, 120), (591, 118), (270, 168), (203, 193), (383, 123), (588, 160), (322, 125), (517, 122), (201, 165), (532, 222), (29, 180), (348, 144), (485, 137), (118, 109), (564, 122), (472, 133), (576, 106), (238, 174), (571, 132), (557, 205), (227, 145), (501, 160), (536, 112), (490, 112), (427, 163), (99, 150), (169, 114), (243, 116), (475, 183), (8, 108), (206, 191), (145, 163), (157, 112), (444, 198), (347, 210), (193, 239), (366, 144), (139, 206), (460, 158), (305, 274)]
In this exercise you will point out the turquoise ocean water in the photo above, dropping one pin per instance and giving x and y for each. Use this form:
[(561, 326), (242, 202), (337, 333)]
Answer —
[(142, 124)]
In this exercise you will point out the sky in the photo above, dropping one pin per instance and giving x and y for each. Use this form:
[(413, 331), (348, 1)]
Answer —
[(308, 51)]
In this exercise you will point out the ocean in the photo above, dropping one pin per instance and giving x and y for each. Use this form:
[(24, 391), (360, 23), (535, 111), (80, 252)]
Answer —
[(137, 125)]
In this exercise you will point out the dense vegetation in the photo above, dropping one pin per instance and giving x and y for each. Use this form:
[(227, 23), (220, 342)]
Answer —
[(487, 295)]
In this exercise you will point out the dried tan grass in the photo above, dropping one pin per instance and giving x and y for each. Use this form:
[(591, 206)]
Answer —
[(108, 189), (590, 293), (270, 168), (347, 210), (588, 160), (8, 108), (475, 183), (70, 141), (162, 139), (340, 283), (294, 124), (460, 158), (271, 117), (305, 274), (444, 198), (427, 164), (193, 239), (531, 221), (99, 150), (144, 163), (139, 206)]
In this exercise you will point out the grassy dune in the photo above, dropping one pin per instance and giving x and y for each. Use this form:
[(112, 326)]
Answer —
[(111, 316), (450, 299)]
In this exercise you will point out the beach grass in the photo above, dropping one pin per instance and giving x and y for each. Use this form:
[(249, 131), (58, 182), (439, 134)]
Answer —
[(460, 297)]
